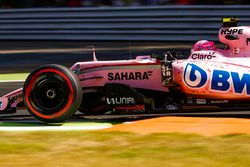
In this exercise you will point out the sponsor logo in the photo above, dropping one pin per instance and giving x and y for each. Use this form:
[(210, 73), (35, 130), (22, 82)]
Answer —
[(240, 82), (201, 101), (129, 75), (221, 80), (194, 76), (210, 55), (248, 41), (134, 107), (190, 100), (218, 101), (236, 50), (166, 71), (120, 100), (231, 31), (171, 107)]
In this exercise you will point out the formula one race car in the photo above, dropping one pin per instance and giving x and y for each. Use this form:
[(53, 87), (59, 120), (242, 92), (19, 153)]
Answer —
[(209, 77)]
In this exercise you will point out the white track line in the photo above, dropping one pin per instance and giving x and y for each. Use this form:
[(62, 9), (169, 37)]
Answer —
[(54, 128), (7, 81)]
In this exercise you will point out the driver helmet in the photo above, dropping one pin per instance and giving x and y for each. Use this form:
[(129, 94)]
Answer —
[(203, 45)]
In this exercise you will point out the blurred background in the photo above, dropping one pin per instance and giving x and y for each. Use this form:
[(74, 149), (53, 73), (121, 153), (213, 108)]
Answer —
[(37, 32), (99, 3)]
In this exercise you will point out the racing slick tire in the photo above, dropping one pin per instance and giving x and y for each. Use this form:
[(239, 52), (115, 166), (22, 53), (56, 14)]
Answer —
[(52, 93)]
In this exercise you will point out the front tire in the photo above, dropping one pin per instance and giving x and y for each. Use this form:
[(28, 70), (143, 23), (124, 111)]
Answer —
[(52, 93)]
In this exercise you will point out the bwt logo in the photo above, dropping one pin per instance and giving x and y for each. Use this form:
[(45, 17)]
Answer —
[(194, 76), (221, 80)]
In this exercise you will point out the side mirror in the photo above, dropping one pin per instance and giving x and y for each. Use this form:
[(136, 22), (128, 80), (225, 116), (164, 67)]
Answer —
[(231, 37)]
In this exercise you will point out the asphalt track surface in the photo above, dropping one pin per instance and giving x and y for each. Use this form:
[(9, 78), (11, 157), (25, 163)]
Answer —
[(25, 56)]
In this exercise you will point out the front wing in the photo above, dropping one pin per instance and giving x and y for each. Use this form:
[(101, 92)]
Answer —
[(10, 101)]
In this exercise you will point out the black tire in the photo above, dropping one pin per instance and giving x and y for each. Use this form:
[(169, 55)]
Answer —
[(52, 93)]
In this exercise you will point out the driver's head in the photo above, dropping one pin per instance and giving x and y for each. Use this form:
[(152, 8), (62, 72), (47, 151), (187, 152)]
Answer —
[(203, 45)]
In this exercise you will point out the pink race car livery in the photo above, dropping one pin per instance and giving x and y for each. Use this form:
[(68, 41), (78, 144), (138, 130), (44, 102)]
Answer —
[(208, 77)]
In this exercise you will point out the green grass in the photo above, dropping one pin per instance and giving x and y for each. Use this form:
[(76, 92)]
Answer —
[(16, 76), (115, 149)]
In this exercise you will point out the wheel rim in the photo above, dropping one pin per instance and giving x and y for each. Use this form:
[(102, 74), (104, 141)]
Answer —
[(49, 93)]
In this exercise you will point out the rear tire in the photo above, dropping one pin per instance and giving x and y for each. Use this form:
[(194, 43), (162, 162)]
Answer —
[(52, 93)]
